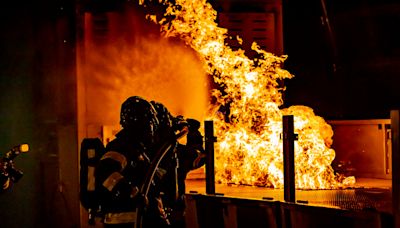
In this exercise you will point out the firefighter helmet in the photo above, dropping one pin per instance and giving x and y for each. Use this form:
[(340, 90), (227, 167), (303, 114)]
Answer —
[(137, 114), (163, 115)]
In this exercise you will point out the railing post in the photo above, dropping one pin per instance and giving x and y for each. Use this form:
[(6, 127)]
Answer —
[(288, 158), (209, 148), (395, 128)]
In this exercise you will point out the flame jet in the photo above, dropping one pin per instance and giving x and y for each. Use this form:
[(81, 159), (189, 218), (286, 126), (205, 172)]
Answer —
[(249, 147)]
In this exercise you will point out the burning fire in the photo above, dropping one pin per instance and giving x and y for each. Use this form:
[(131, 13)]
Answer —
[(249, 147)]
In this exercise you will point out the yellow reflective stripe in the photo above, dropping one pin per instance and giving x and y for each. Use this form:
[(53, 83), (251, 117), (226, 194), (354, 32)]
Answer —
[(117, 157), (117, 218), (112, 180)]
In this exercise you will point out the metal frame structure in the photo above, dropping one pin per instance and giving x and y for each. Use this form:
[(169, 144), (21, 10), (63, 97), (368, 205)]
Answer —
[(232, 212)]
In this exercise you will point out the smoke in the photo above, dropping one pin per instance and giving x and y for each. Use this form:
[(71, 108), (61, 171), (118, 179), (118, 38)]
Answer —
[(150, 66)]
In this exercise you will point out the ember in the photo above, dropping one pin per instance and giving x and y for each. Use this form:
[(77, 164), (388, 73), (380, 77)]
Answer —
[(249, 147)]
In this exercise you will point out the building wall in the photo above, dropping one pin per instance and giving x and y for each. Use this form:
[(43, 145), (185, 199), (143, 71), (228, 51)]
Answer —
[(38, 107)]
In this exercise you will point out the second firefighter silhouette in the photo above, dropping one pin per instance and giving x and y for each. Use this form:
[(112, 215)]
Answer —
[(180, 160), (121, 171)]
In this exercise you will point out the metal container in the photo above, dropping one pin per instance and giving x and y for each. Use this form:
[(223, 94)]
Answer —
[(363, 147)]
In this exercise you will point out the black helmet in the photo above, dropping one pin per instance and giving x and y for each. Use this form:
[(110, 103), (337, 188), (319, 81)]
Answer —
[(138, 115), (194, 124), (163, 115)]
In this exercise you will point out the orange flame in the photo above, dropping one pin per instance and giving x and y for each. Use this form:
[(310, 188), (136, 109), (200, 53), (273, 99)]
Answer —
[(249, 147)]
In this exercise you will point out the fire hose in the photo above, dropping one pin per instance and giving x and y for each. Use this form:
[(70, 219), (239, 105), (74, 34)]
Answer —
[(161, 152)]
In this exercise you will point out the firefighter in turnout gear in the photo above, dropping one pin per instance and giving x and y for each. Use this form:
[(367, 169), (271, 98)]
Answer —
[(191, 156), (121, 170), (178, 162)]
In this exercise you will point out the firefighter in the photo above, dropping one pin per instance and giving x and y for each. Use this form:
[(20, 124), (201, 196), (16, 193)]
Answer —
[(191, 156), (169, 165), (178, 162), (120, 172)]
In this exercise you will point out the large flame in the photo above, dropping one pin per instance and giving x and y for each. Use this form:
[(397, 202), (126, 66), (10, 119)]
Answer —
[(247, 114)]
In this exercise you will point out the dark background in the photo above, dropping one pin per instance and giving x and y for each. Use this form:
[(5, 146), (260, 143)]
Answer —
[(38, 107), (364, 46)]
